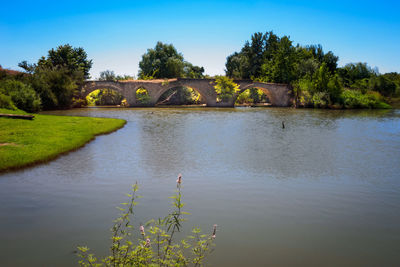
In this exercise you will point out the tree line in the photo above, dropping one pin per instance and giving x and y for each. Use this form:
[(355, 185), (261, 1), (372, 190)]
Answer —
[(54, 82), (316, 79), (51, 83)]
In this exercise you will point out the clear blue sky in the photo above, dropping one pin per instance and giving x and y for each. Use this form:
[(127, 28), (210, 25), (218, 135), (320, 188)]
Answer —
[(116, 33)]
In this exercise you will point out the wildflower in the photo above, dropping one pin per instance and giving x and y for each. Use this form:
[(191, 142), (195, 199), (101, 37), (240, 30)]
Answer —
[(179, 180), (147, 242), (141, 229), (214, 231)]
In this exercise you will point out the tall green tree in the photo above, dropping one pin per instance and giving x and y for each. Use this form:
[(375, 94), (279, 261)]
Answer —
[(56, 87), (163, 61), (70, 58), (269, 57), (281, 68), (255, 53), (107, 75), (191, 71), (57, 77), (353, 72), (237, 66)]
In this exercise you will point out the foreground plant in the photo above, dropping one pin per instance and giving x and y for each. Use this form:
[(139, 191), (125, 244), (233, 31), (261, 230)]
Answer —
[(153, 244)]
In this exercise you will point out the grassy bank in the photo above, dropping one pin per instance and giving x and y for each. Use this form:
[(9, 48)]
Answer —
[(24, 142)]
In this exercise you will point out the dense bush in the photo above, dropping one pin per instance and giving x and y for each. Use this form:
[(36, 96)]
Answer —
[(225, 88), (356, 99), (321, 90), (142, 96), (313, 73), (244, 98), (6, 102), (383, 85), (21, 94), (56, 87), (320, 100), (57, 77)]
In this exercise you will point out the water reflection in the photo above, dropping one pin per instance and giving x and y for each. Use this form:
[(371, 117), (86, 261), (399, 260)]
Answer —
[(324, 189)]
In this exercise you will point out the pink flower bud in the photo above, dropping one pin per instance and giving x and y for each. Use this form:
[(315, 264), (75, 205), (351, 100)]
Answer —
[(179, 180), (214, 231), (141, 229)]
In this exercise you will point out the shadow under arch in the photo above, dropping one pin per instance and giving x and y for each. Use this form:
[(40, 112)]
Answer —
[(90, 87), (252, 97), (165, 95), (105, 97), (264, 88)]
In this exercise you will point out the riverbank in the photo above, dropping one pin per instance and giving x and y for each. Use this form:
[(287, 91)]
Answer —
[(394, 102), (24, 143)]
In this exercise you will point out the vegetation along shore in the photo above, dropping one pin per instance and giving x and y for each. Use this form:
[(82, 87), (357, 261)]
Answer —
[(56, 81), (28, 142)]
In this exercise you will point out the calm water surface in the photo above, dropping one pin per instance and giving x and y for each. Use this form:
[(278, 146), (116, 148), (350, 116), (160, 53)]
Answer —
[(324, 191)]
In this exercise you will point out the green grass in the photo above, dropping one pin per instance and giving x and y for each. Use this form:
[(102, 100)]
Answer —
[(10, 111), (24, 142)]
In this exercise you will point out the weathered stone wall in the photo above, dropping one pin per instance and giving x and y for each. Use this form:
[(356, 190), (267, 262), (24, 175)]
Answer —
[(279, 94)]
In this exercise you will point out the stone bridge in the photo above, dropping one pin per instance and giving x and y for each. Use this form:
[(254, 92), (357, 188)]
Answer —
[(278, 94)]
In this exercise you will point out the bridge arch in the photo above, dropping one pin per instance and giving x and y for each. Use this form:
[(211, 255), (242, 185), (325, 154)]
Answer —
[(253, 94), (278, 94), (175, 88), (90, 87), (104, 97), (265, 90)]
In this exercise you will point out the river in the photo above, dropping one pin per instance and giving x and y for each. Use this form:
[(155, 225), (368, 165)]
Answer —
[(323, 191)]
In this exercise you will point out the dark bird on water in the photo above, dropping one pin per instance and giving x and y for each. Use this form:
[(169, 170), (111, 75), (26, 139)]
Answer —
[(283, 125)]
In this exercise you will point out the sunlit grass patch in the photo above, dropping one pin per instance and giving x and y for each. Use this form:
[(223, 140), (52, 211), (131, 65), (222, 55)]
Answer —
[(47, 136)]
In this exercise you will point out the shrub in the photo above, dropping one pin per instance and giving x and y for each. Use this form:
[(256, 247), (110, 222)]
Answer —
[(320, 100), (225, 88), (22, 95), (334, 89), (6, 102), (56, 87), (142, 96), (356, 99), (383, 85), (303, 89), (124, 103), (244, 98), (78, 102), (152, 244), (305, 99)]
